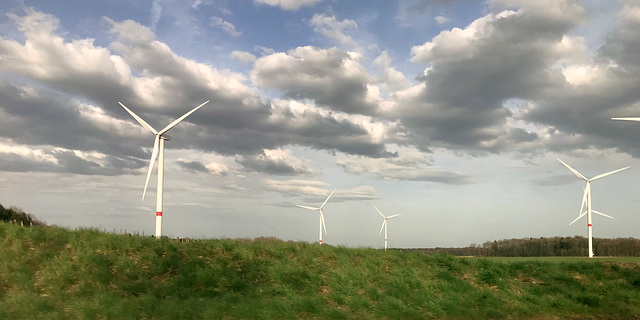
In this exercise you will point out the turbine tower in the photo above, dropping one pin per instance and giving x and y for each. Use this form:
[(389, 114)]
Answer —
[(322, 226), (586, 199), (158, 148), (384, 225)]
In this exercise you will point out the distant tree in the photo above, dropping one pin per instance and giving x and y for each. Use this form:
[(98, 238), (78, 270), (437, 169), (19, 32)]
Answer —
[(540, 247), (18, 215)]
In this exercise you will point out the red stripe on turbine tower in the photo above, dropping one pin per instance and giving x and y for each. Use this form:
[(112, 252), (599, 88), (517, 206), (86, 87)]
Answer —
[(590, 225), (159, 214)]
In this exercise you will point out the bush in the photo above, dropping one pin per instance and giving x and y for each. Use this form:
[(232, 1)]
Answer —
[(12, 214)]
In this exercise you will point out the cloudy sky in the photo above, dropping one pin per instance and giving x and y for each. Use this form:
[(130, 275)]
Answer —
[(450, 112)]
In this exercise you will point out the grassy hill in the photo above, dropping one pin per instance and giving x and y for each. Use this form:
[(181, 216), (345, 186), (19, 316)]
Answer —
[(56, 273)]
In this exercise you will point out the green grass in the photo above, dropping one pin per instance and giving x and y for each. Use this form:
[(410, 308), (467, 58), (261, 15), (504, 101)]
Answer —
[(56, 273)]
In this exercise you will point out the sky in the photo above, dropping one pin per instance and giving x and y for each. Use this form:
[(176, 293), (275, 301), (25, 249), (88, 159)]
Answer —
[(449, 112)]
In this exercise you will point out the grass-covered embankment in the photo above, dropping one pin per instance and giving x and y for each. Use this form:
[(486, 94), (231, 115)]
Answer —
[(51, 272)]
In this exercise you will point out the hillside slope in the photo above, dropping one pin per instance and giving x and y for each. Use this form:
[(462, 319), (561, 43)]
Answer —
[(56, 273)]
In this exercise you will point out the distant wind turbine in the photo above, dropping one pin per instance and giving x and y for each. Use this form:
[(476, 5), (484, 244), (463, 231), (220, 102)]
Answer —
[(586, 199), (322, 226), (384, 225), (158, 148)]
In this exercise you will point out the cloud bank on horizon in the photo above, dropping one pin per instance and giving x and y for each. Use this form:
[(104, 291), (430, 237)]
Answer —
[(381, 92)]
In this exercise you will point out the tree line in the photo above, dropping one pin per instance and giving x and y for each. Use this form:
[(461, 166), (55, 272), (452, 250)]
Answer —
[(545, 247), (526, 247), (17, 215)]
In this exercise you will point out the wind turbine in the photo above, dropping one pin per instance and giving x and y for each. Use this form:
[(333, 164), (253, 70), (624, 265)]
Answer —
[(322, 226), (384, 225), (586, 199), (158, 148)]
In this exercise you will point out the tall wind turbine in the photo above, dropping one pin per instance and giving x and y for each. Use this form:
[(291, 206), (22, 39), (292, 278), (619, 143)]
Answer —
[(586, 199), (384, 225), (322, 226), (158, 148)]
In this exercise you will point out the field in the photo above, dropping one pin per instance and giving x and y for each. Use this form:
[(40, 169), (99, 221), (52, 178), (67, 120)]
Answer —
[(56, 273)]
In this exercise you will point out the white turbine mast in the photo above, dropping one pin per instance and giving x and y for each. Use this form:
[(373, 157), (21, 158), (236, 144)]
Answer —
[(586, 200), (384, 225), (158, 151), (322, 226)]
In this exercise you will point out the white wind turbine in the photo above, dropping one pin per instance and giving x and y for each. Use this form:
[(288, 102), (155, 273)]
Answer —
[(322, 226), (384, 225), (586, 199), (158, 148)]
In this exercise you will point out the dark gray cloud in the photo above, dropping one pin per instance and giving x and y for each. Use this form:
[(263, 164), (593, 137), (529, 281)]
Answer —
[(274, 164), (579, 113), (330, 77), (473, 71), (33, 116), (65, 161), (192, 166), (66, 93)]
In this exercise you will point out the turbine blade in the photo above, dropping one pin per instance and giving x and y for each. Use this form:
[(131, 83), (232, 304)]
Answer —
[(383, 223), (574, 171), (323, 225), (172, 124), (395, 215), (379, 212), (608, 173), (142, 122), (578, 218), (584, 200), (310, 208), (154, 154), (325, 202), (602, 214), (627, 118)]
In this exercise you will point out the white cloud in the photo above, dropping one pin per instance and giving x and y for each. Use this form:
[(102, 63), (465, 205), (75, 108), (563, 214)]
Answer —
[(218, 169), (318, 190), (264, 50), (392, 79), (441, 20), (243, 56), (331, 28), (291, 5), (298, 187), (156, 14), (355, 194), (226, 26)]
